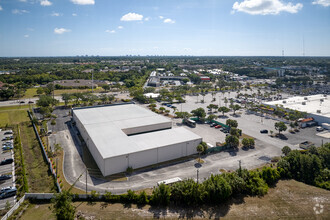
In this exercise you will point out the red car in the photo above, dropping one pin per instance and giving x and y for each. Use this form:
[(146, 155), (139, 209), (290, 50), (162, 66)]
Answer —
[(218, 126)]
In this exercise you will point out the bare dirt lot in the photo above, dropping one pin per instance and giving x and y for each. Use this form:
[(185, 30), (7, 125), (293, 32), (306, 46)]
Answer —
[(289, 199)]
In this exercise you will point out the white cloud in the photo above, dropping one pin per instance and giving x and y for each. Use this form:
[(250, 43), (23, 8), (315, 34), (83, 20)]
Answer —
[(83, 2), (147, 19), (45, 3), (265, 7), (161, 17), (17, 11), (26, 35), (169, 21), (324, 3), (1, 8), (61, 30), (120, 27), (132, 17), (74, 14), (110, 31), (55, 14), (23, 0)]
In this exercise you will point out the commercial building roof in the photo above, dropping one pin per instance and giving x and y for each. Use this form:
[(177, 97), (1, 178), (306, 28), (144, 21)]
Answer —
[(314, 104), (110, 127)]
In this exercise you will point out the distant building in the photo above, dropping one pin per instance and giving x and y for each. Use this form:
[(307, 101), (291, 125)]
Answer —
[(316, 106), (205, 79)]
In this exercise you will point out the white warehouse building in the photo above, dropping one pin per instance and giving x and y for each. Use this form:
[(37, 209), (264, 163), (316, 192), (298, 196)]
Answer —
[(126, 135), (316, 106)]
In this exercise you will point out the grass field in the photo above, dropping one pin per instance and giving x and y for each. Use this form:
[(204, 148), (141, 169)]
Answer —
[(32, 92), (39, 178), (289, 200), (12, 115)]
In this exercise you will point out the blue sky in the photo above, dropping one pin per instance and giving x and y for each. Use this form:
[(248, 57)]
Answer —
[(164, 27)]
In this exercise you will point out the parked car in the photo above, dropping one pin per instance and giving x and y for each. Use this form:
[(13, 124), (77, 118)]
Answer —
[(30, 102), (213, 124), (264, 131), (7, 147), (218, 126), (21, 102), (8, 132), (5, 177), (8, 143), (8, 192), (6, 138), (319, 128), (6, 161)]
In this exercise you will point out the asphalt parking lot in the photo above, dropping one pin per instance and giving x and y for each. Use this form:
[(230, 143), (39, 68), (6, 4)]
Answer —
[(6, 169), (266, 148)]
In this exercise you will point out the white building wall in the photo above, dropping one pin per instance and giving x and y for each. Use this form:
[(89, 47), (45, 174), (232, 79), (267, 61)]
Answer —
[(90, 144), (114, 165), (170, 152), (143, 158)]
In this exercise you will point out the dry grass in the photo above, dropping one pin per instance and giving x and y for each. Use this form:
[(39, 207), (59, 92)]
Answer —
[(289, 200)]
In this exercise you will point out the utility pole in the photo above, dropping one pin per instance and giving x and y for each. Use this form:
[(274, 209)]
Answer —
[(92, 81), (86, 180), (197, 174)]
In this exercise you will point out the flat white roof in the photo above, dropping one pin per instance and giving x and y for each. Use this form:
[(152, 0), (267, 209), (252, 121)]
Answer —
[(107, 125), (312, 104)]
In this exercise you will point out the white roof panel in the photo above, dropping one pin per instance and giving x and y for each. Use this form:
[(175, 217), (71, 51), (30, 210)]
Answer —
[(105, 127)]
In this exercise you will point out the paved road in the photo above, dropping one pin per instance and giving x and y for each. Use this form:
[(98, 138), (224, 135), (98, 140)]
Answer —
[(74, 166)]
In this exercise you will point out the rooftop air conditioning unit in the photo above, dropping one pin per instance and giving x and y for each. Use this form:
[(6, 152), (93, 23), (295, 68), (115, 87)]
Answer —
[(318, 111), (305, 98), (303, 103), (284, 101), (321, 100)]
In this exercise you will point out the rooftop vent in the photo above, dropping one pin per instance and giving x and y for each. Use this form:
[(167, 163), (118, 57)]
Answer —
[(318, 111), (321, 100), (303, 103), (305, 98), (284, 101)]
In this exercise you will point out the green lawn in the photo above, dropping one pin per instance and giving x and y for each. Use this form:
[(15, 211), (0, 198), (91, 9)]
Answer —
[(11, 115), (39, 178)]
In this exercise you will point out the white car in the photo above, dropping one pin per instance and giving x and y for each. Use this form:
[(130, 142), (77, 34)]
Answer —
[(319, 128)]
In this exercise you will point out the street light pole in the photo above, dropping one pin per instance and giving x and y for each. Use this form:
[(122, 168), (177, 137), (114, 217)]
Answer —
[(197, 174)]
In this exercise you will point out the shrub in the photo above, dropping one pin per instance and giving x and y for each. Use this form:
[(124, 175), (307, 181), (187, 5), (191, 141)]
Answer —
[(142, 198), (161, 195)]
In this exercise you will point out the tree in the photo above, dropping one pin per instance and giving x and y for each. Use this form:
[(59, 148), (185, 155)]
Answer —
[(66, 98), (280, 126), (286, 150), (161, 109), (232, 140), (232, 123), (223, 109), (211, 117), (106, 87), (161, 195), (235, 132), (104, 98), (62, 206), (199, 113), (235, 107), (251, 142), (40, 90), (45, 101), (246, 142)]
